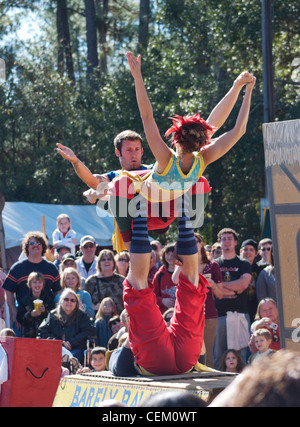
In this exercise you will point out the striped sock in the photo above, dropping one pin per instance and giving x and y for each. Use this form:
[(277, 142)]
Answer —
[(187, 244), (140, 243)]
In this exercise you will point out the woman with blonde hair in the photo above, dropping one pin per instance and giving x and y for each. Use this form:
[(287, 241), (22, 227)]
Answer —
[(70, 279)]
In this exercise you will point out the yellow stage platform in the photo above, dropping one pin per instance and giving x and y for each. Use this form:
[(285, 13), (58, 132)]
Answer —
[(88, 390)]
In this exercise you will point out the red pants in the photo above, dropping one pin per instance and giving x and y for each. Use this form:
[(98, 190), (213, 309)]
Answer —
[(159, 349)]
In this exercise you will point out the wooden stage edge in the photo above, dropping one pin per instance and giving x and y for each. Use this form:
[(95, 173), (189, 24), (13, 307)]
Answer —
[(90, 389)]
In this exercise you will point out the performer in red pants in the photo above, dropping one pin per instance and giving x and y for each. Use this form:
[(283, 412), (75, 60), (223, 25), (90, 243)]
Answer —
[(159, 349), (155, 348)]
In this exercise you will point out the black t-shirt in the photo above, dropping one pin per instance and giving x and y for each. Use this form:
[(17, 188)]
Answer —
[(16, 280), (87, 265), (233, 269)]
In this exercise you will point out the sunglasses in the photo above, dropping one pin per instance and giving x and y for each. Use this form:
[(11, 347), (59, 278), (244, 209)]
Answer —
[(106, 259), (88, 246), (124, 259), (70, 300), (265, 249), (34, 243)]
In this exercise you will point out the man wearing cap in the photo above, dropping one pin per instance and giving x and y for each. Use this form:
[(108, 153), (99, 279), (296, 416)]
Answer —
[(86, 264), (68, 260), (236, 277), (60, 252), (249, 251)]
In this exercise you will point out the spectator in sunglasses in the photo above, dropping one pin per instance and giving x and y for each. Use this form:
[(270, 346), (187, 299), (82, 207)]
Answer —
[(122, 263), (264, 249), (106, 282), (34, 246), (86, 264), (69, 324)]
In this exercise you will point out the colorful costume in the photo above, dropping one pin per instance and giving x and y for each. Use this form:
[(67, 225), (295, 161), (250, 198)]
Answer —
[(162, 192), (172, 183)]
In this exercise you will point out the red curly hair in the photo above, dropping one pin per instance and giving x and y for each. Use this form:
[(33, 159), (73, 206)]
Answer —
[(190, 131)]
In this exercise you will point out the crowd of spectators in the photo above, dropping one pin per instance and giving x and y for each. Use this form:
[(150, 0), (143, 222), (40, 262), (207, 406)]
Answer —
[(76, 297)]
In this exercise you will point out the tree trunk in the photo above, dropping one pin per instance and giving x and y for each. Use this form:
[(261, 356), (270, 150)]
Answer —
[(102, 12), (64, 40), (144, 23), (91, 35), (60, 37)]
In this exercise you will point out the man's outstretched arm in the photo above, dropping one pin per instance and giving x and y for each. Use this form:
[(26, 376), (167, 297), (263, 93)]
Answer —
[(81, 170)]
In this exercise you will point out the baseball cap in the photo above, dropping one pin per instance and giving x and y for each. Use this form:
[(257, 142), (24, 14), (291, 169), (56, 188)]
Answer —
[(62, 247), (250, 242), (87, 239), (67, 257)]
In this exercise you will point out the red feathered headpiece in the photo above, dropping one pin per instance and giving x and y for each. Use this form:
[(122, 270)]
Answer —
[(179, 121)]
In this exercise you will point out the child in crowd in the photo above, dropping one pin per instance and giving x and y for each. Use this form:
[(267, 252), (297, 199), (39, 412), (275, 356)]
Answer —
[(231, 362), (64, 235), (262, 340), (70, 279), (106, 311), (30, 314), (97, 361)]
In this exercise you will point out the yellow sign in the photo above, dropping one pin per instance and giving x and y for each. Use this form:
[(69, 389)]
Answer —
[(77, 392)]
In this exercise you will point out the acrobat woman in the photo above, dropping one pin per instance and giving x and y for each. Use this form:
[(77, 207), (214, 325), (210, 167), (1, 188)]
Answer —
[(156, 348), (178, 170)]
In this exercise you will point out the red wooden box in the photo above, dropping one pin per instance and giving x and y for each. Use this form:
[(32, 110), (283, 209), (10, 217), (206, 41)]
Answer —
[(34, 370)]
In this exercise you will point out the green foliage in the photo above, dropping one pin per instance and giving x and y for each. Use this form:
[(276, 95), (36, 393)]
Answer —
[(196, 49)]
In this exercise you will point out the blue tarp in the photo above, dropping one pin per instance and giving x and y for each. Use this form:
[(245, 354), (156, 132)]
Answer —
[(21, 217)]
